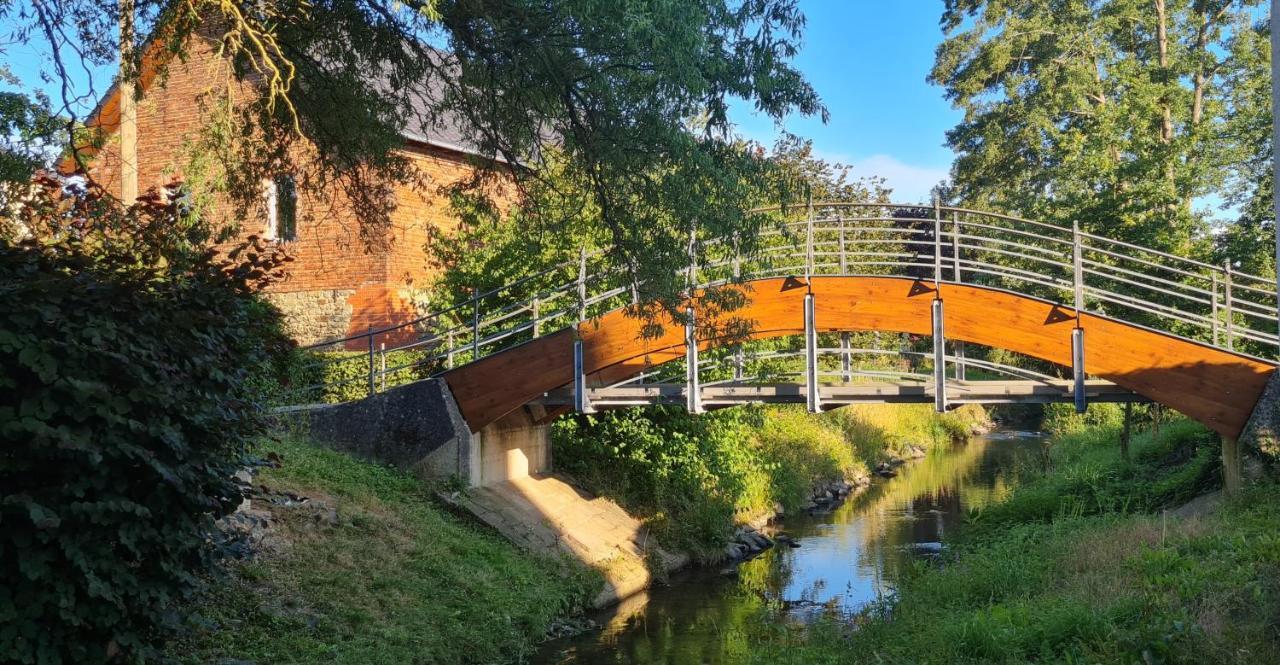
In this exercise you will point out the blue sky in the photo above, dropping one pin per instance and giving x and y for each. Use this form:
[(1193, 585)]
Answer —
[(868, 59)]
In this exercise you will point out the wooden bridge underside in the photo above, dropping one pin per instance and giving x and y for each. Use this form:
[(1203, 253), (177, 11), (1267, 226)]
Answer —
[(1216, 387)]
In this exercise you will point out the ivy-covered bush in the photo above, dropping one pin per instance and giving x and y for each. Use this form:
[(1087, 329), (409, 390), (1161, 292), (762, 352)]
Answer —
[(131, 375)]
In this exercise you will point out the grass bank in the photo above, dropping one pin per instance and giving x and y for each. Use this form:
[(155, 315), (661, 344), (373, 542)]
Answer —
[(693, 478), (369, 570), (1081, 564)]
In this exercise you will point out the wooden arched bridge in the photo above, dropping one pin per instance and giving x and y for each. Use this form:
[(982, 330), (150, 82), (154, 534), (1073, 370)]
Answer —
[(1123, 322)]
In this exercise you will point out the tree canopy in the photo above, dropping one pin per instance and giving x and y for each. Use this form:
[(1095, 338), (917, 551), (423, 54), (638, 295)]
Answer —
[(630, 95), (1121, 114)]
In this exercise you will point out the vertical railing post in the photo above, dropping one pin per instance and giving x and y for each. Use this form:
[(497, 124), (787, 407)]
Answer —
[(812, 388), (382, 364), (846, 358), (737, 259), (1077, 369), (691, 279), (939, 358), (738, 362), (581, 401), (808, 241), (961, 369), (475, 327), (692, 388), (939, 333), (448, 354), (937, 242), (1077, 269), (535, 308), (1077, 333), (582, 283), (1213, 288), (955, 247), (372, 371), (1229, 304), (844, 260)]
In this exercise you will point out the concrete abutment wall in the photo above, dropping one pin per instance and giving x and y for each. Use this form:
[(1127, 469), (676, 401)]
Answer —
[(418, 427)]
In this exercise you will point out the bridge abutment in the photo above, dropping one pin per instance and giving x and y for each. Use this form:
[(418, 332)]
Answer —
[(514, 447)]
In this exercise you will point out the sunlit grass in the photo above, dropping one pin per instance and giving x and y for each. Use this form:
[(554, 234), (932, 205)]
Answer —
[(395, 580)]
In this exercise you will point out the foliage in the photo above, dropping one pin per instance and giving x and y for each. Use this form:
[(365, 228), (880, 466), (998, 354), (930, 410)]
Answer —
[(538, 245), (1111, 587), (130, 387), (1063, 419), (1119, 114), (686, 475), (693, 477), (630, 95), (394, 580), (27, 130)]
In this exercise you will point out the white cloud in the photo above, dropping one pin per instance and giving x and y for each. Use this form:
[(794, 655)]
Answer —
[(910, 183)]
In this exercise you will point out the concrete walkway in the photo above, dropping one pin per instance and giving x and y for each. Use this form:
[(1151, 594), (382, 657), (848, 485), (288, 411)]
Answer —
[(545, 513)]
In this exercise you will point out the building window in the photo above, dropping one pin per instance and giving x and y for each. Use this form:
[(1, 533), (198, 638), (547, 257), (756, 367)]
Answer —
[(282, 208)]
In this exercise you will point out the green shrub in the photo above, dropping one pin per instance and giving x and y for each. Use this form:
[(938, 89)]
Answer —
[(130, 386), (686, 474), (693, 477), (1063, 419)]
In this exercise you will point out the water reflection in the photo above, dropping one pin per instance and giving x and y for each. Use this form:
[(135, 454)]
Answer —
[(849, 557)]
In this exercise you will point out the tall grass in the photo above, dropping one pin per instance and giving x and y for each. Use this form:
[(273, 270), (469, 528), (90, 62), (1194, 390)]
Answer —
[(1080, 564)]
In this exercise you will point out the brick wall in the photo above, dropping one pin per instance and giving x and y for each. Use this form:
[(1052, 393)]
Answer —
[(337, 284)]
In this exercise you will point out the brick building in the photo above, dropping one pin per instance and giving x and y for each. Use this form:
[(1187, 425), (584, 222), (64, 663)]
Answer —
[(339, 284)]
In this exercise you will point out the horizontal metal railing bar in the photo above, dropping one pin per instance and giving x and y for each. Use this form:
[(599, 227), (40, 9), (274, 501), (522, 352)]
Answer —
[(1174, 257), (1152, 264), (1154, 289), (1014, 273), (1008, 243), (1151, 308), (1003, 252), (1062, 241), (1237, 285), (1162, 280)]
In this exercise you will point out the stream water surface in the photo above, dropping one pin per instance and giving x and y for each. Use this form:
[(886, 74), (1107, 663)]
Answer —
[(848, 557)]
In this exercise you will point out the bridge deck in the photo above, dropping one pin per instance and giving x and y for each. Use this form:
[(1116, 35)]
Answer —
[(834, 396), (1214, 386)]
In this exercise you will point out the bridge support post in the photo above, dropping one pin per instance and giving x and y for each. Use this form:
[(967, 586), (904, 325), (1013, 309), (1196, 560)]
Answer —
[(692, 389), (846, 361), (939, 358), (581, 401), (1077, 368), (1231, 475), (813, 396)]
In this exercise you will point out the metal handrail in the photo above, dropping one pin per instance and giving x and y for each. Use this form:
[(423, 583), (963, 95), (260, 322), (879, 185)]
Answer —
[(860, 238)]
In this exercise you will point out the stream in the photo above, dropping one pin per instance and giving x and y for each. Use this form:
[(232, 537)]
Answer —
[(849, 556)]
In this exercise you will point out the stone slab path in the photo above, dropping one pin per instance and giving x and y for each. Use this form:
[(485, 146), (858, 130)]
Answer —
[(546, 513)]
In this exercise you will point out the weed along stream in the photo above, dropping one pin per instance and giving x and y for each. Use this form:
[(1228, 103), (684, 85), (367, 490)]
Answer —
[(848, 556)]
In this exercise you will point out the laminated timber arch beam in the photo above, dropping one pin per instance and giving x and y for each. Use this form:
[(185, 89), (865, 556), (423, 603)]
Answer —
[(1215, 387)]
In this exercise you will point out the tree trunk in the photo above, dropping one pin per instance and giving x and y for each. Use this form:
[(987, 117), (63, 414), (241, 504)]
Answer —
[(1162, 45)]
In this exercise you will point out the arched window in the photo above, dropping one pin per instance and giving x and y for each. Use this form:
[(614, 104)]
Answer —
[(282, 208)]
